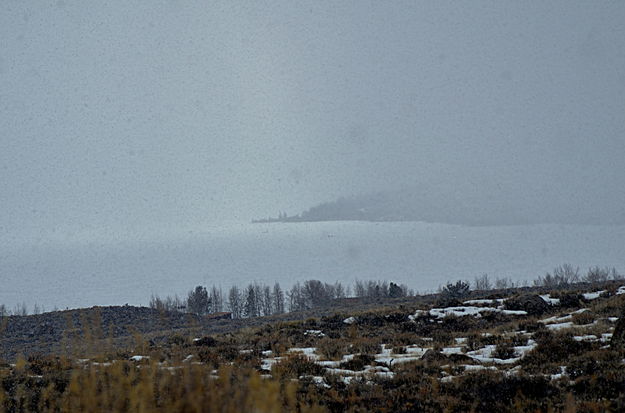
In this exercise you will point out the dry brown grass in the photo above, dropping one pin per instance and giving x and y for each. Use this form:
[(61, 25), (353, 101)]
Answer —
[(128, 387)]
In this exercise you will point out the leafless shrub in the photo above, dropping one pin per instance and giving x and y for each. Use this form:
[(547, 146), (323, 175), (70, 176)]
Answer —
[(504, 350), (380, 289), (332, 349), (596, 275), (278, 299), (167, 304), (20, 309), (504, 283), (482, 283), (583, 318), (563, 276), (235, 302)]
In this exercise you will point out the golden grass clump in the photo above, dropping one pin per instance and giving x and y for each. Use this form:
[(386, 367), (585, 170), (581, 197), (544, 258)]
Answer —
[(124, 386)]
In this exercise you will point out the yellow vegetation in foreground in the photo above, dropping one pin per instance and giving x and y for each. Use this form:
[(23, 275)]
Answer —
[(126, 387)]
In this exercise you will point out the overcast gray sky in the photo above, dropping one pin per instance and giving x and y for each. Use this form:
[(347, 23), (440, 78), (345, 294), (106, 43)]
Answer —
[(122, 116)]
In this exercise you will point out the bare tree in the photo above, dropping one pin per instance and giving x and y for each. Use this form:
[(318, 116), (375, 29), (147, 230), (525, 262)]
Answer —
[(329, 292), (314, 293), (482, 283), (175, 303), (267, 302), (251, 307), (339, 290), (166, 304), (504, 283), (20, 309), (614, 275), (597, 274), (216, 300), (370, 289), (156, 303), (235, 302), (359, 289), (296, 298), (278, 299), (563, 276)]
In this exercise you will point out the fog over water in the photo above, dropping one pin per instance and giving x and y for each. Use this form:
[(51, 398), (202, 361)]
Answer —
[(133, 135), (424, 256)]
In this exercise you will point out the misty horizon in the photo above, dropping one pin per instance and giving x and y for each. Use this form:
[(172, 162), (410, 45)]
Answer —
[(125, 119), (139, 141)]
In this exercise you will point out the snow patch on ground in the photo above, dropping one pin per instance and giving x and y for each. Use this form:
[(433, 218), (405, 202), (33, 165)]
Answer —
[(476, 367), (267, 363), (488, 301), (587, 337), (605, 337), (594, 295), (551, 301), (306, 351), (560, 326), (463, 311), (451, 350), (485, 354), (556, 319)]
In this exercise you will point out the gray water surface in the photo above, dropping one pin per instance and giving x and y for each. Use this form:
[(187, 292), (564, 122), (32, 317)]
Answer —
[(421, 255)]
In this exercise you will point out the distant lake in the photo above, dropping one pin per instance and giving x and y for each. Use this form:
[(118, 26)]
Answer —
[(421, 255)]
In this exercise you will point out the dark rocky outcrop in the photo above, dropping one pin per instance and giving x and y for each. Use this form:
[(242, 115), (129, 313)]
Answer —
[(570, 300), (58, 332), (433, 356), (205, 341), (461, 359), (445, 302), (532, 303), (42, 333)]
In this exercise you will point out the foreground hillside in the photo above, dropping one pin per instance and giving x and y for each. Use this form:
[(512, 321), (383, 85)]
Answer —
[(520, 350), (72, 331)]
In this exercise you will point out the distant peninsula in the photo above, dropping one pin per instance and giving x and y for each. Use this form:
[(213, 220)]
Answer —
[(377, 207), (450, 206)]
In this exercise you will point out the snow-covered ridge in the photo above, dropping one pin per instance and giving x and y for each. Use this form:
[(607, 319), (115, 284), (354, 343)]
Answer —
[(463, 311)]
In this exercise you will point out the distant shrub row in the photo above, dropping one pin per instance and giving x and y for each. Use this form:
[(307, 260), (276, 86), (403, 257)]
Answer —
[(561, 277), (258, 300)]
